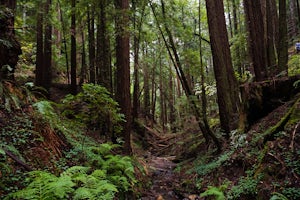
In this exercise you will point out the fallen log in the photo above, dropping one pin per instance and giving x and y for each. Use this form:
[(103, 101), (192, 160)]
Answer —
[(261, 98)]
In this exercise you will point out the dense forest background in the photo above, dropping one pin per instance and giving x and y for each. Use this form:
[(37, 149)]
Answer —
[(149, 99)]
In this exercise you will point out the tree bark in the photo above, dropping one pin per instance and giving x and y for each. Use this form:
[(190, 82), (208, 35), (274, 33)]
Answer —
[(105, 75), (73, 49), (137, 24), (227, 89), (123, 68), (83, 61), (47, 73), (39, 47), (256, 42), (283, 38), (91, 35), (43, 76), (271, 53)]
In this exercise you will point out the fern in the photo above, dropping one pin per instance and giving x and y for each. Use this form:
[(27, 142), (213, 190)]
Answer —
[(45, 186), (278, 196), (75, 183), (214, 191), (204, 169)]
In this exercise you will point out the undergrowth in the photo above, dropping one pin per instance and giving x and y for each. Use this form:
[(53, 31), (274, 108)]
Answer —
[(86, 169)]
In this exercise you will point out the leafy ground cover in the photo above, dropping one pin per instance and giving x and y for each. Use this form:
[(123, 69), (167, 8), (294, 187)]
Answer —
[(47, 151)]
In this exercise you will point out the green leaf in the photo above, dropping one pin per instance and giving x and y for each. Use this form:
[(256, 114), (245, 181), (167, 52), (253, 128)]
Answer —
[(2, 152), (213, 191)]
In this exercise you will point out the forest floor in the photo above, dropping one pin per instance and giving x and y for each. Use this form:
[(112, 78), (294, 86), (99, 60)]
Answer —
[(176, 166), (250, 167)]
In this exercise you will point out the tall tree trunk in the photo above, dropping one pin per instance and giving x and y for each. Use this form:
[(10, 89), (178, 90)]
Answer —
[(83, 61), (298, 12), (231, 28), (203, 90), (64, 41), (123, 68), (47, 72), (136, 40), (39, 47), (271, 53), (283, 38), (91, 35), (105, 66), (171, 102), (146, 89), (227, 90), (153, 97), (274, 11), (162, 96), (256, 42), (73, 49), (293, 18)]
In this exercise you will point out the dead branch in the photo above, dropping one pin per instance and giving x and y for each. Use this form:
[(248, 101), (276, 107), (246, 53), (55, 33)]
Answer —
[(17, 160)]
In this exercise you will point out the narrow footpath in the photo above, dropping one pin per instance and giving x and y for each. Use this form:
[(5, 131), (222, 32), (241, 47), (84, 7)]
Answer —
[(166, 184)]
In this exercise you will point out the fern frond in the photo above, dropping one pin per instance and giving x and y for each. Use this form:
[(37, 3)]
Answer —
[(59, 188), (75, 171), (213, 191), (83, 193)]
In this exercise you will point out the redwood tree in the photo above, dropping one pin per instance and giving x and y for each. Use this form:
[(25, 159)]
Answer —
[(123, 67), (256, 41), (44, 46), (227, 90), (73, 49), (283, 43)]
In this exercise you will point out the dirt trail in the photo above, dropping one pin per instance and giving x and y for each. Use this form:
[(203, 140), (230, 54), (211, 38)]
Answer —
[(164, 179), (166, 184)]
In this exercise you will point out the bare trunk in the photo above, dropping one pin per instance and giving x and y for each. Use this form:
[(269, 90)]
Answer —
[(73, 49), (123, 68), (47, 73), (271, 53), (227, 90), (283, 39), (91, 35), (256, 42)]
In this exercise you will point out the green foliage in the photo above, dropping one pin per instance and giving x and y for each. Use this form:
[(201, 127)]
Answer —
[(77, 182), (292, 193), (246, 186), (296, 84), (94, 107), (293, 63), (237, 139), (14, 98), (218, 192), (278, 196), (46, 109), (205, 168)]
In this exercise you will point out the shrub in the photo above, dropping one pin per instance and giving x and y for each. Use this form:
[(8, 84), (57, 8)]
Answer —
[(95, 108)]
